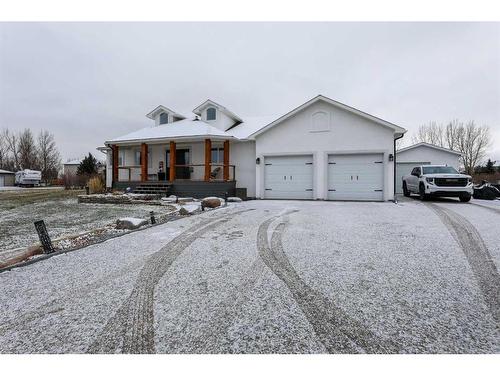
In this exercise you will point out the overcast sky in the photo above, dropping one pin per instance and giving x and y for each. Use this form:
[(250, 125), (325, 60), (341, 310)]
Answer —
[(89, 82)]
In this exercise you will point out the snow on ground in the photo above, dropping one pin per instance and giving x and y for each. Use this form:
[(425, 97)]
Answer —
[(255, 277), (62, 214)]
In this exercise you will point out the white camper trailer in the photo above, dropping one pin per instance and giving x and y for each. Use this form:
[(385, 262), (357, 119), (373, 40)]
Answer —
[(28, 177)]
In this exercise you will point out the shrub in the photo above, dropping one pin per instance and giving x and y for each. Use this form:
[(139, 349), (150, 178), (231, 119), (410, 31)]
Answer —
[(96, 185)]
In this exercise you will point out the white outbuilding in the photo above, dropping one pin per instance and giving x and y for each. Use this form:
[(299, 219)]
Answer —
[(423, 153)]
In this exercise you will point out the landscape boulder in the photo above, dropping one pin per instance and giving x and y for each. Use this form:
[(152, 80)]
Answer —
[(234, 199), (211, 202), (130, 223), (189, 209)]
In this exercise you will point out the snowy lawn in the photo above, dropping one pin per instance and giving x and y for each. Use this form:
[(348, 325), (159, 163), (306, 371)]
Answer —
[(61, 212), (269, 277)]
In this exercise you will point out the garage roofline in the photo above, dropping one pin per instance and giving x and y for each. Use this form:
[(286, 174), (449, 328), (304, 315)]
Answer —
[(397, 129), (425, 144)]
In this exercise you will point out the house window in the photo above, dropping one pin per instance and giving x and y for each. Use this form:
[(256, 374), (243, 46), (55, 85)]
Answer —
[(217, 155), (121, 158), (211, 114), (137, 157), (150, 158), (163, 118)]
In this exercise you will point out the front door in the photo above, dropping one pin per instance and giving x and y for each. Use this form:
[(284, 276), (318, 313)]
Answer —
[(182, 159)]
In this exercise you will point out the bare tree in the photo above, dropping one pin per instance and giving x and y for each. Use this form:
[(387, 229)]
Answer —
[(472, 141), (48, 156), (27, 150), (431, 133), (11, 142), (469, 139), (4, 152)]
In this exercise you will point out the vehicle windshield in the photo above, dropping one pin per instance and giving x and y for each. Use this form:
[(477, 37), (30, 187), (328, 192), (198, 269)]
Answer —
[(432, 170)]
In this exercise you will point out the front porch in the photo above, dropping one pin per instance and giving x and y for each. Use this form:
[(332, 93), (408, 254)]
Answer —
[(197, 168)]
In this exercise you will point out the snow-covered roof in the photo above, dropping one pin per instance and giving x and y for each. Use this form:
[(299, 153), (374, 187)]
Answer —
[(3, 171), (250, 125), (179, 129), (424, 144), (221, 108), (73, 162)]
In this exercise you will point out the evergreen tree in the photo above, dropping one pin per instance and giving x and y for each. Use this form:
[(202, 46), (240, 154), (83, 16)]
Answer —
[(88, 166), (489, 168)]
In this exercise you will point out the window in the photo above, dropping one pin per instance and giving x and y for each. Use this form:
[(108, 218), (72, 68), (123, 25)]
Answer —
[(150, 158), (137, 157), (211, 114), (121, 158), (431, 170), (217, 155), (163, 118)]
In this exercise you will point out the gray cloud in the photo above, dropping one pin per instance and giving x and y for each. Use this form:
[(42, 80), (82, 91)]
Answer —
[(88, 82)]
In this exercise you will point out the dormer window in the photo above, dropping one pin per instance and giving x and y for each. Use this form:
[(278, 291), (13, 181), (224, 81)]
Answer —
[(211, 114), (163, 118)]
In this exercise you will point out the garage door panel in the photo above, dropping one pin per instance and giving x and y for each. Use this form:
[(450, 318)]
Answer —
[(355, 177), (403, 169), (288, 177)]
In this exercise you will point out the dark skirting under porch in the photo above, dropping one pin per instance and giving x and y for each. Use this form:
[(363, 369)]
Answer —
[(180, 188)]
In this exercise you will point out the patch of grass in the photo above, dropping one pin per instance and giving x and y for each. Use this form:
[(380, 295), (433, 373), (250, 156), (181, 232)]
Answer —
[(16, 198)]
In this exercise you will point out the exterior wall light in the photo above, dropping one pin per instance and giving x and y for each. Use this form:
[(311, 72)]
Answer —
[(257, 161), (391, 157)]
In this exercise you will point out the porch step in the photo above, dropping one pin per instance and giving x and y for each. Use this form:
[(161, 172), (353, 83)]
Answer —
[(159, 188)]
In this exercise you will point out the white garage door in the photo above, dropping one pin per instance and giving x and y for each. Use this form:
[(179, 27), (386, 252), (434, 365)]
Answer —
[(288, 177), (402, 169), (356, 177), (2, 181)]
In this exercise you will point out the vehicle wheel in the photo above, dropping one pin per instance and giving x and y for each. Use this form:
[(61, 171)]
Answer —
[(406, 192), (465, 198), (421, 191)]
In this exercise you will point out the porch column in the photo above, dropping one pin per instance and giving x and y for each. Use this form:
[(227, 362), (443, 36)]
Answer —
[(208, 158), (226, 161), (114, 149), (144, 162), (171, 176)]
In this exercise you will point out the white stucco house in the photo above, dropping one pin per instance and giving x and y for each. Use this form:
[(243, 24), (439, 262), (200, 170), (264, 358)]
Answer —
[(321, 149), (423, 153)]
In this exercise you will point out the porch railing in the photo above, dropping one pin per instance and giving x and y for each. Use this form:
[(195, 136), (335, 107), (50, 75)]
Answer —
[(192, 172)]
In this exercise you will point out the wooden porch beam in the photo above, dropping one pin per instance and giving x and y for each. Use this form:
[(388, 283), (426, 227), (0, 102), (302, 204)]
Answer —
[(208, 158), (226, 161), (114, 149), (144, 162), (171, 176)]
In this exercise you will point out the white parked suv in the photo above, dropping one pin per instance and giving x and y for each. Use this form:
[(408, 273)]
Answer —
[(438, 180)]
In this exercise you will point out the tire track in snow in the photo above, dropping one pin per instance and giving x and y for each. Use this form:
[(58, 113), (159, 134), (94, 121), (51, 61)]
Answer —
[(477, 254), (206, 342), (131, 329), (335, 329)]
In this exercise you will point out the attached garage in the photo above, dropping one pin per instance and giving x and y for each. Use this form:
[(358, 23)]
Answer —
[(356, 177), (326, 150), (421, 154), (288, 177)]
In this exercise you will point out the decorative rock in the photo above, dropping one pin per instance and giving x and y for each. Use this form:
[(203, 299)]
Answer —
[(211, 202), (189, 209), (234, 199), (186, 199), (130, 223)]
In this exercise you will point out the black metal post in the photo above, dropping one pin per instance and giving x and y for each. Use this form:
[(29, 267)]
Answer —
[(153, 219), (43, 235)]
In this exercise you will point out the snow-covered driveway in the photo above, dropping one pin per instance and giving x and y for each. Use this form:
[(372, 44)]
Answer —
[(270, 277)]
